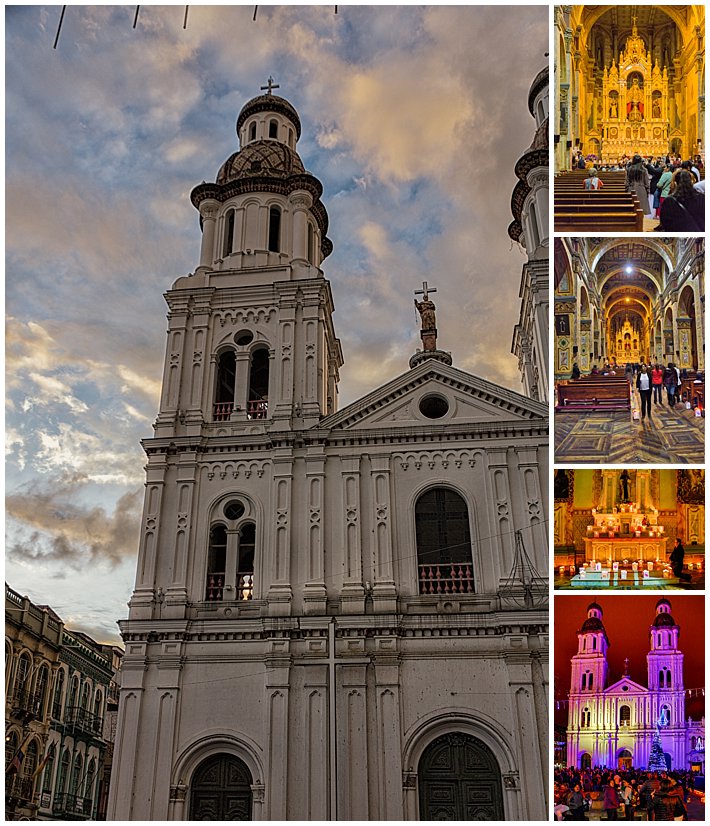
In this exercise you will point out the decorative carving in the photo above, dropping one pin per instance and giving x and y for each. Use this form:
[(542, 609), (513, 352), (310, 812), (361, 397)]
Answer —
[(691, 487), (237, 469), (510, 780), (432, 460)]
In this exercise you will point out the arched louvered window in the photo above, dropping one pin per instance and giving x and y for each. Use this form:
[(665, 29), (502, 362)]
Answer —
[(245, 565), (58, 695), (274, 229), (443, 543), (224, 390), (273, 129), (625, 716), (258, 401), (228, 245), (216, 564), (252, 132)]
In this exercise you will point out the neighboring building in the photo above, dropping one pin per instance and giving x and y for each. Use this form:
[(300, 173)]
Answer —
[(60, 712), (530, 227), (614, 725), (33, 639), (337, 614), (110, 727)]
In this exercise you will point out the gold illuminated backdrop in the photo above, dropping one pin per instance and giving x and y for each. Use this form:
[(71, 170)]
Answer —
[(629, 80)]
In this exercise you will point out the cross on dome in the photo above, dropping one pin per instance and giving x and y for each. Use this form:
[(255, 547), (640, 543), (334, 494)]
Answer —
[(270, 86), (426, 289)]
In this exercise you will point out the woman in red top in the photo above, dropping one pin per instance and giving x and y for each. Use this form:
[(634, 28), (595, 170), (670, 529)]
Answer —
[(657, 382)]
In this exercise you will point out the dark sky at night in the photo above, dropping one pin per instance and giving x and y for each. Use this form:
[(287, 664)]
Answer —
[(627, 619)]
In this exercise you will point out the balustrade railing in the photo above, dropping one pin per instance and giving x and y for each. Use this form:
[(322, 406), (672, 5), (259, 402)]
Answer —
[(27, 702), (18, 787), (222, 411), (446, 578), (215, 587), (257, 409)]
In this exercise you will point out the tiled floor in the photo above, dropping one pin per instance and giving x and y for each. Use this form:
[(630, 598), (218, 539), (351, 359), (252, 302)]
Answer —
[(672, 435)]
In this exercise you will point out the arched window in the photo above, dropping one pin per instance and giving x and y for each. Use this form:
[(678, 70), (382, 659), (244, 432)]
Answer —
[(98, 703), (590, 682), (216, 563), (74, 693), (221, 790), (274, 229), (24, 664), (443, 543), (89, 785), (665, 716), (75, 784), (586, 718), (245, 566), (224, 391), (273, 129), (290, 137), (594, 643), (49, 769), (228, 245), (58, 695), (459, 779), (311, 243), (29, 764), (257, 403), (41, 689), (585, 761), (8, 664), (584, 680), (534, 232), (625, 716), (668, 678), (63, 772), (85, 693), (252, 132)]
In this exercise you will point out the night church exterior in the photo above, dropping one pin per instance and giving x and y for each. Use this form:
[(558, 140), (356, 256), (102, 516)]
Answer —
[(338, 614), (614, 725)]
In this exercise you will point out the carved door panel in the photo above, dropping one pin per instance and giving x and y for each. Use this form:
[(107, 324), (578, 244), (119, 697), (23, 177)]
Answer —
[(459, 779), (221, 790)]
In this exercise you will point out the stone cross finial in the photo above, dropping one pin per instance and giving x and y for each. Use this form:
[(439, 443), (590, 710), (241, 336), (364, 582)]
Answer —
[(270, 86), (426, 289), (626, 666)]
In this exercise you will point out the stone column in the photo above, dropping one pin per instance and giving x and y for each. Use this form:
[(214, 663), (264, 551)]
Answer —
[(278, 669), (279, 595), (353, 797), (241, 385), (176, 595), (300, 202), (384, 594), (389, 736), (506, 513), (142, 600), (176, 805), (286, 353), (314, 589), (208, 212)]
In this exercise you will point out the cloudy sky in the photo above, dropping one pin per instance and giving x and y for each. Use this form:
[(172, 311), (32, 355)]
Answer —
[(413, 119)]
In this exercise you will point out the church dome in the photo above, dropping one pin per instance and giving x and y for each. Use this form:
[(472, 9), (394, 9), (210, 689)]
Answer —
[(269, 103), (592, 624), (542, 79), (663, 620), (261, 158)]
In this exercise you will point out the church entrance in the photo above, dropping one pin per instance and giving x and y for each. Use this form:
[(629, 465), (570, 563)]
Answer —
[(585, 761), (626, 761), (221, 790), (459, 779)]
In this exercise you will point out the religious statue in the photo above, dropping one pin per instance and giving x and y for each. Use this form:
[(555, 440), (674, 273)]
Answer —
[(427, 311), (624, 484), (634, 106), (657, 108), (613, 110)]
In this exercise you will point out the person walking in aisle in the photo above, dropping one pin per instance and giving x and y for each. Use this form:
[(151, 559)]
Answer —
[(643, 385)]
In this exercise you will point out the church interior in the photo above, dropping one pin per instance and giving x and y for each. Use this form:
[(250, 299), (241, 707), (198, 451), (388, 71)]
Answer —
[(617, 529), (621, 304), (630, 80)]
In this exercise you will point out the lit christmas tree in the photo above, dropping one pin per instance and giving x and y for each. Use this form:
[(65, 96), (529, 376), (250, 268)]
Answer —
[(657, 760)]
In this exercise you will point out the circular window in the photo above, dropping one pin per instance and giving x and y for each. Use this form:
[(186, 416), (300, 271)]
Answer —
[(244, 338), (233, 510), (624, 688), (433, 407)]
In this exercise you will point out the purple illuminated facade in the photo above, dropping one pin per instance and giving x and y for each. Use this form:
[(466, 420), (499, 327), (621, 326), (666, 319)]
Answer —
[(614, 725)]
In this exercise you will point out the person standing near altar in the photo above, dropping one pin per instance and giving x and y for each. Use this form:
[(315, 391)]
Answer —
[(676, 558)]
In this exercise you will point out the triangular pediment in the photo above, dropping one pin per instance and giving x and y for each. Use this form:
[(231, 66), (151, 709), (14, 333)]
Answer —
[(626, 686), (409, 399)]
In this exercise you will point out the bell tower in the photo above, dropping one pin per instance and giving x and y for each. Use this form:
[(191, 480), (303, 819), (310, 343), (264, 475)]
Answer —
[(589, 664), (251, 344), (665, 668)]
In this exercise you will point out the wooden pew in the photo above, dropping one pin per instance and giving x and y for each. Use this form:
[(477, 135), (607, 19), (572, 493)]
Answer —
[(593, 393), (610, 209), (690, 390)]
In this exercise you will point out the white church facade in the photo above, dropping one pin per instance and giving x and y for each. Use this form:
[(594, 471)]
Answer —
[(338, 614)]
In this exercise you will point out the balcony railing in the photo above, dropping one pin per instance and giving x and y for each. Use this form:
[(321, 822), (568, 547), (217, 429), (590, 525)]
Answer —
[(215, 587), (18, 787), (71, 804), (446, 578), (222, 411), (27, 703), (257, 409), (83, 720)]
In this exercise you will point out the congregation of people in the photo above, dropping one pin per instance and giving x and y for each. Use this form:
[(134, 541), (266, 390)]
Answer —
[(623, 794), (671, 190)]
